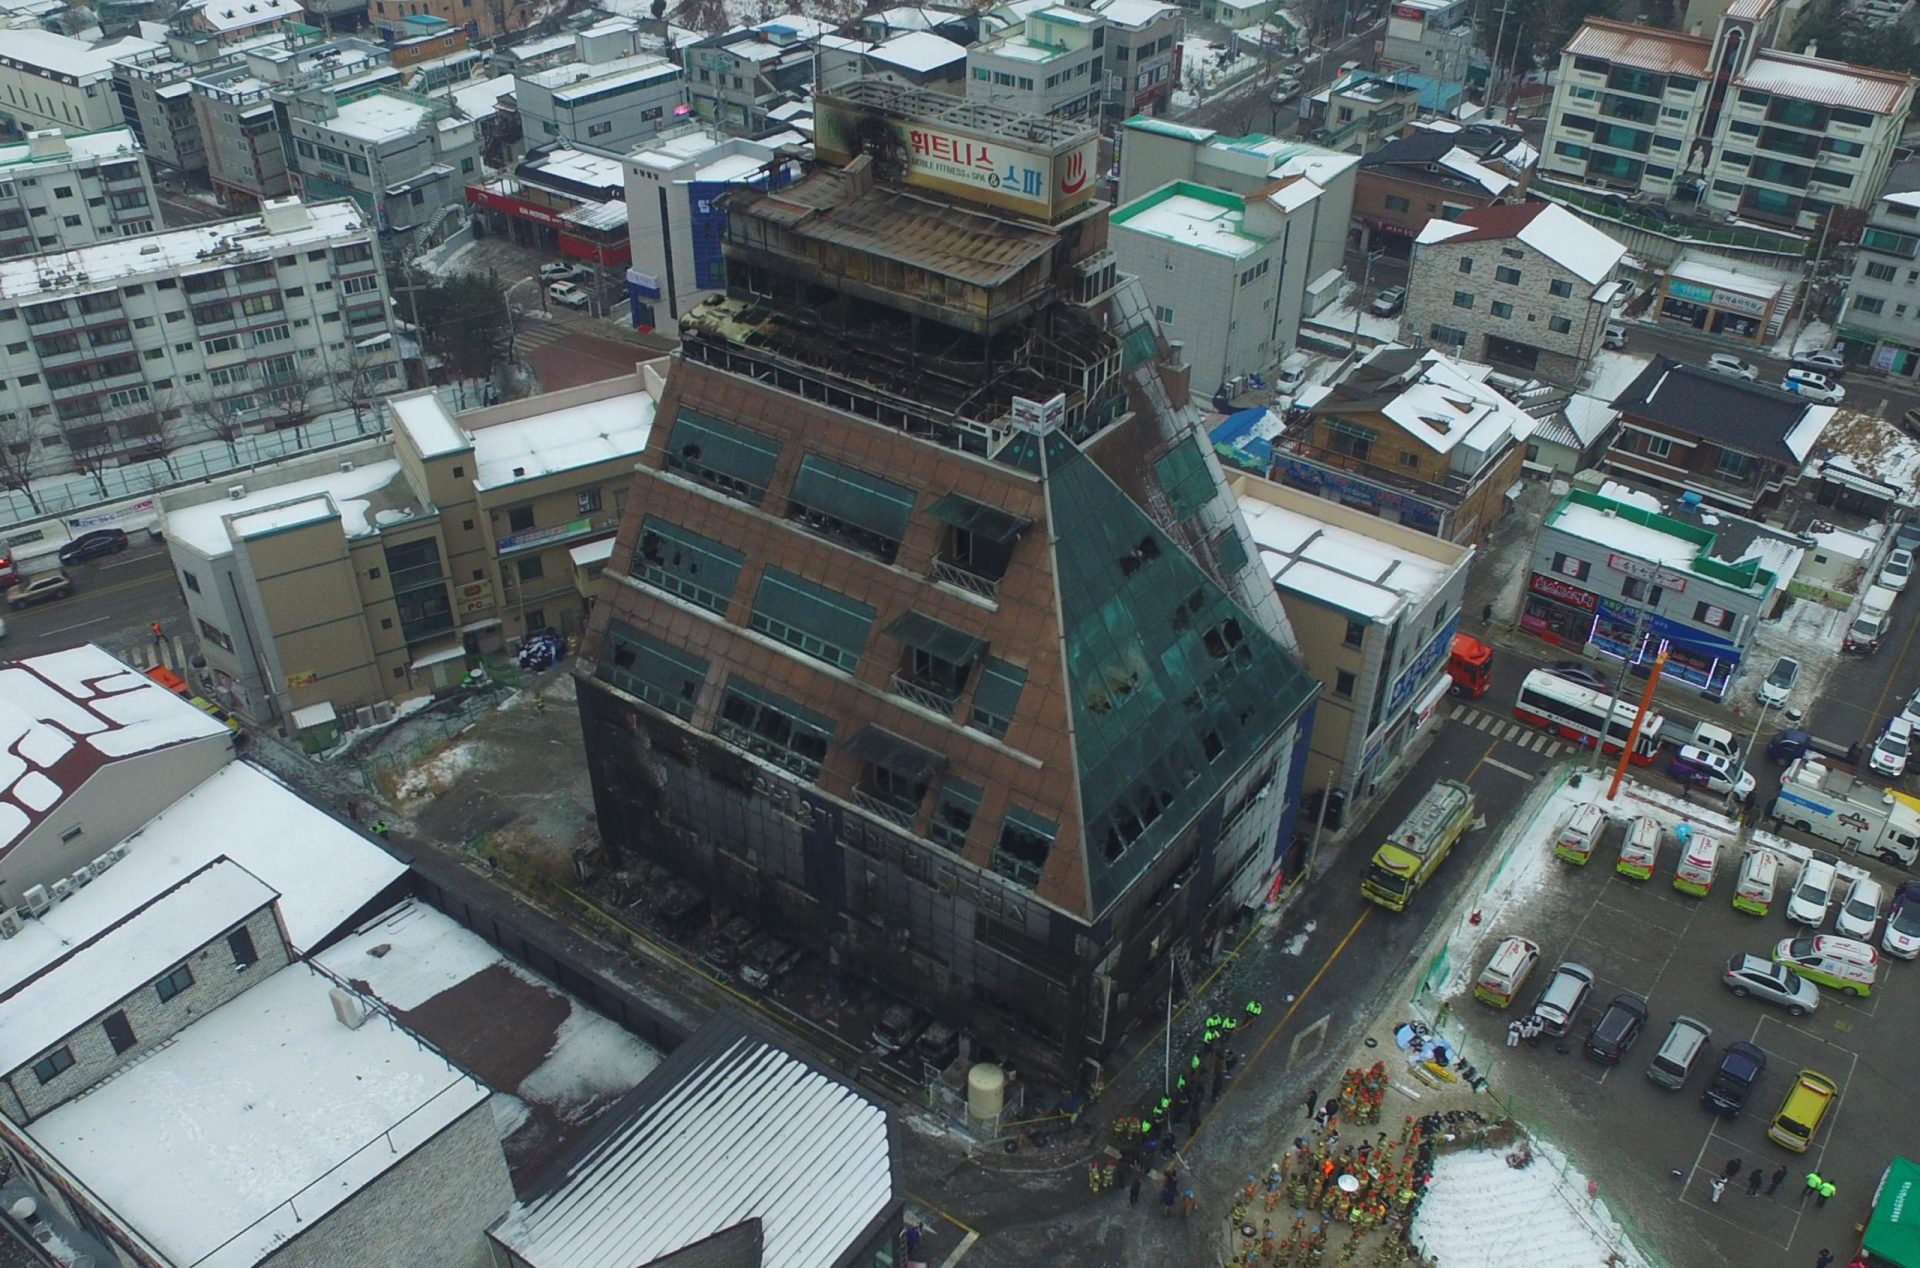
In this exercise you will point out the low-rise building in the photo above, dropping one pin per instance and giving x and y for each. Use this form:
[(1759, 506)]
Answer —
[(1359, 111), (1573, 437), (564, 198), (1412, 436), (1054, 63), (487, 21), (1614, 576), (372, 574), (59, 191), (615, 104), (1439, 169), (676, 223), (1526, 285), (1880, 322), (915, 59), (1375, 606), (1734, 299), (404, 159), (1159, 151), (48, 80), (733, 79), (1145, 43), (1226, 274), (1434, 37), (141, 346), (1736, 444)]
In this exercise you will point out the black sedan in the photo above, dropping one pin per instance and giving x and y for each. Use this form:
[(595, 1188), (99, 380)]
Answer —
[(101, 541)]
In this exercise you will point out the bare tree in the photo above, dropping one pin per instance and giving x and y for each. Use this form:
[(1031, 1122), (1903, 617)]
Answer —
[(289, 404), (154, 428), (90, 441), (211, 415), (17, 442)]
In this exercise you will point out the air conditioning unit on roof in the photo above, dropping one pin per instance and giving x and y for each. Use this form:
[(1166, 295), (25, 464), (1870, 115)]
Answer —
[(10, 923), (36, 900), (61, 888)]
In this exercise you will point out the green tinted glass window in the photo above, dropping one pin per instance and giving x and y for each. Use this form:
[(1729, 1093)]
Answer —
[(1229, 552), (822, 622), (658, 673), (997, 697), (1183, 474), (730, 459), (769, 725), (685, 563), (1025, 841), (850, 506), (953, 816)]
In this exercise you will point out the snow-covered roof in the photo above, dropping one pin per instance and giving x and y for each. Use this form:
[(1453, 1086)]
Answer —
[(1690, 268), (582, 167), (376, 117), (1626, 536), (79, 147), (562, 440), (428, 423), (1192, 216), (1548, 228), (592, 553), (238, 15), (669, 152), (1464, 164), (255, 1121), (708, 1140), (1806, 433), (1588, 416), (58, 54), (1828, 83), (203, 527), (98, 973), (287, 515), (481, 97), (99, 265), (920, 51), (65, 714), (1446, 403), (1134, 14), (1332, 564), (606, 215)]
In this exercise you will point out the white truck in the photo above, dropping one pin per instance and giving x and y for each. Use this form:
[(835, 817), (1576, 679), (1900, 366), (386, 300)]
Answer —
[(1856, 816)]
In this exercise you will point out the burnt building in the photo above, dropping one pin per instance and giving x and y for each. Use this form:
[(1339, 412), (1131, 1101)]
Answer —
[(933, 638)]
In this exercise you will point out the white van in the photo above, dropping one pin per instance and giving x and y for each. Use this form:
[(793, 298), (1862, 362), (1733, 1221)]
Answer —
[(1640, 851), (1753, 892), (1842, 963), (1581, 834), (1698, 859)]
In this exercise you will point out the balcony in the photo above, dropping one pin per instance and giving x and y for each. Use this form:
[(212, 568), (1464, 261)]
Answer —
[(898, 816), (960, 579), (926, 693)]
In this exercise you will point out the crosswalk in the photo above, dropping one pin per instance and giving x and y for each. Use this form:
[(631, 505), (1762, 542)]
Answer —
[(1533, 739)]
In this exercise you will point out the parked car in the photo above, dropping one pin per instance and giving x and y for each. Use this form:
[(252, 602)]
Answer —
[(1614, 1031), (1716, 774), (1789, 746), (1750, 975), (1578, 671), (558, 272), (727, 946), (1813, 893), (1910, 711), (1816, 387), (766, 962), (1773, 690), (1614, 336), (38, 589), (938, 1045), (899, 1025), (1560, 1002), (1388, 302), (1801, 1114), (1902, 936), (1829, 363), (1891, 750), (1898, 570), (567, 293), (1907, 535), (101, 541), (1860, 910), (1728, 364), (1910, 422), (1687, 1041), (1741, 1066), (1865, 633)]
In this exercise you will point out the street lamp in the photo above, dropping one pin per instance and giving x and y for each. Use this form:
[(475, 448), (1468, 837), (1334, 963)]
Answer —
[(1366, 285)]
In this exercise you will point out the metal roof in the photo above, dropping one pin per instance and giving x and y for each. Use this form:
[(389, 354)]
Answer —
[(1827, 83), (728, 1130), (1648, 48)]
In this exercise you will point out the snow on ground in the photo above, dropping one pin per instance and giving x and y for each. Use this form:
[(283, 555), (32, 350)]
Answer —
[(591, 1058), (1298, 942), (1339, 317), (1612, 372), (1481, 1213), (1815, 336), (1874, 447), (1203, 70), (1807, 631), (437, 774), (510, 1113)]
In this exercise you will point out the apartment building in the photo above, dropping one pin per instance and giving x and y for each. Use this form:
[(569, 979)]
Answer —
[(614, 104), (1526, 285), (675, 222), (49, 80), (1442, 169), (1737, 445), (1880, 323), (59, 191), (1777, 137), (733, 79), (1615, 578), (1375, 606), (339, 582), (1144, 48), (156, 100), (404, 159), (1433, 37), (142, 345), (1415, 437), (1054, 64), (146, 949), (862, 587), (1227, 274)]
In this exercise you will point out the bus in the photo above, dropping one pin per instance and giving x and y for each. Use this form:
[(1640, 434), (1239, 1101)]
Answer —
[(1576, 713)]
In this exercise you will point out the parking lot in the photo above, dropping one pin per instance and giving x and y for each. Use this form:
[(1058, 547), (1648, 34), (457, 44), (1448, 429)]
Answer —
[(1661, 1149)]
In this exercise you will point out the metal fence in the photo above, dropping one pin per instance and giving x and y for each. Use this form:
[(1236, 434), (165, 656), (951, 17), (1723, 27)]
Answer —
[(1685, 231)]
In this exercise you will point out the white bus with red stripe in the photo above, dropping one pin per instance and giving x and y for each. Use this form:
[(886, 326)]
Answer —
[(1577, 713)]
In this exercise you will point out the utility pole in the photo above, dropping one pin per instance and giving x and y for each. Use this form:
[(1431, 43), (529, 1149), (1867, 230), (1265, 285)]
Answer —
[(1493, 63)]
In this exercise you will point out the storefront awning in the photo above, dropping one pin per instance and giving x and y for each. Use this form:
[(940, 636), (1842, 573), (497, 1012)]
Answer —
[(902, 757), (978, 518), (936, 638), (1435, 694)]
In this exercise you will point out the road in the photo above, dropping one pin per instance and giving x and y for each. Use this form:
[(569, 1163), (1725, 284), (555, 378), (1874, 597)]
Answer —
[(1864, 691), (1245, 107), (115, 601)]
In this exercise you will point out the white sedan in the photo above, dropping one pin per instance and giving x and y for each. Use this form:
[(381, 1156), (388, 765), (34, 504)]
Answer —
[(1902, 935), (1891, 750), (1910, 714), (1898, 570)]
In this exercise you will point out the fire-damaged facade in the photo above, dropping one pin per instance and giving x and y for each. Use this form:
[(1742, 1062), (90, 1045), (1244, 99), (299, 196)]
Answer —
[(933, 640)]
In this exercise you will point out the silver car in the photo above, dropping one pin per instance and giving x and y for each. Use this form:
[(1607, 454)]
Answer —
[(1750, 975)]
